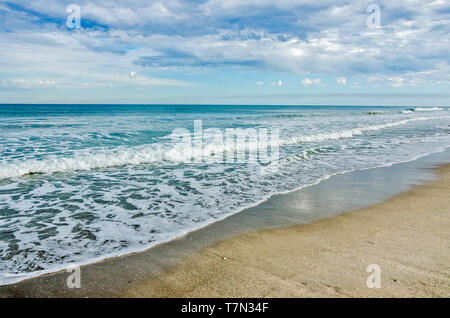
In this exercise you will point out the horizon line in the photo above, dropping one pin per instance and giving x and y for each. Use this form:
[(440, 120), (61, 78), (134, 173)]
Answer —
[(213, 104)]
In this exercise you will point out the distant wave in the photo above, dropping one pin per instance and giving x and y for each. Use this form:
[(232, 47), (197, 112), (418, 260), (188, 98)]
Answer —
[(427, 109), (289, 116), (356, 131), (377, 112), (421, 109)]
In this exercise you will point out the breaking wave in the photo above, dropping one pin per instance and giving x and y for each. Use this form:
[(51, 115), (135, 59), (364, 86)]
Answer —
[(162, 153)]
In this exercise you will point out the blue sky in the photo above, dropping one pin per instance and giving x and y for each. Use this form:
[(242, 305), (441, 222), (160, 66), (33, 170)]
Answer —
[(226, 52)]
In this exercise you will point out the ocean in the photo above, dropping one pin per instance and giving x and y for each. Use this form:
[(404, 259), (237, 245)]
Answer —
[(80, 183)]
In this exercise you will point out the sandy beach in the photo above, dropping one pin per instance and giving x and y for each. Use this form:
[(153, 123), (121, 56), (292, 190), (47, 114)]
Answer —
[(407, 236)]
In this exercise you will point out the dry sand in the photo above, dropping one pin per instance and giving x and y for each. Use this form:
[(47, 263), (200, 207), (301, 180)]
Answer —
[(408, 236)]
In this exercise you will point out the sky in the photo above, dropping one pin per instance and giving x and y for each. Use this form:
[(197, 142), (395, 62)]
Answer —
[(293, 52)]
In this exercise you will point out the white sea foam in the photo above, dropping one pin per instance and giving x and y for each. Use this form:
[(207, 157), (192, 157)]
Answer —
[(103, 158), (164, 153), (348, 133), (10, 278), (427, 109)]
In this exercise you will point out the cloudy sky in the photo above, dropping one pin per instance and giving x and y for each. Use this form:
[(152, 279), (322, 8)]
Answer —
[(225, 52)]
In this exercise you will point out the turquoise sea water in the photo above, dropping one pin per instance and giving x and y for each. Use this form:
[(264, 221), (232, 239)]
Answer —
[(79, 183)]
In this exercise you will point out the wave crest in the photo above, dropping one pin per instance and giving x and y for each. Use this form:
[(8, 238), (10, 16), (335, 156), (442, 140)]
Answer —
[(162, 153)]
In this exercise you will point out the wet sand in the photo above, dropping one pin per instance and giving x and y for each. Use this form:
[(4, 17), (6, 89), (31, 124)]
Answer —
[(408, 236)]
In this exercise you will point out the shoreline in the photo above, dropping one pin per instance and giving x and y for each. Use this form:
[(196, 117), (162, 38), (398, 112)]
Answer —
[(173, 251), (406, 237), (10, 279)]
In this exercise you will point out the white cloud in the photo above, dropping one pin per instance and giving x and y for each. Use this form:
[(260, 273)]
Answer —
[(151, 81), (331, 38), (117, 13), (259, 83), (91, 81), (399, 81), (279, 83), (341, 80), (29, 83), (310, 82)]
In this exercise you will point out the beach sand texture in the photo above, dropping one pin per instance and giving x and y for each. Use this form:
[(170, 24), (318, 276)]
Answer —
[(408, 236)]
